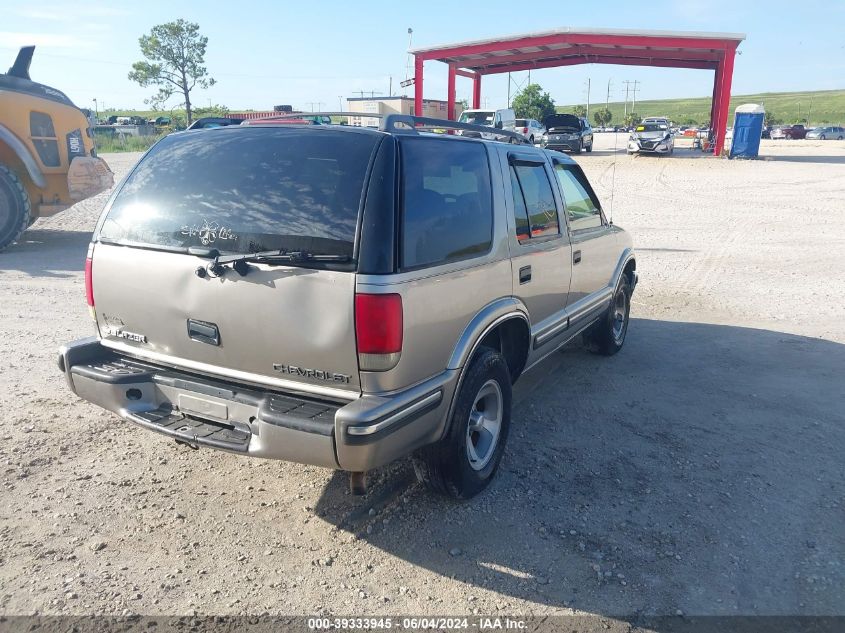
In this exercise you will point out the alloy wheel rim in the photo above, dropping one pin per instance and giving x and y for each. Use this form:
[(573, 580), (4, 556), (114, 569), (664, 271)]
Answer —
[(620, 310), (485, 425)]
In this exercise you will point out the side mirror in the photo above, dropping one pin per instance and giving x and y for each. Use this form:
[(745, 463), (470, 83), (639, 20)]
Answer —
[(498, 125)]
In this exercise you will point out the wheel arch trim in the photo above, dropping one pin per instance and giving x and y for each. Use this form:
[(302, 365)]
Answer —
[(22, 152), (627, 256), (490, 316)]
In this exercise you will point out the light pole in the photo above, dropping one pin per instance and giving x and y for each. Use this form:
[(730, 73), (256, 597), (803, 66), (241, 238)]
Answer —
[(96, 111)]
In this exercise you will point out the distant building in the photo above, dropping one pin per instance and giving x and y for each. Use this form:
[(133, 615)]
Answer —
[(395, 105)]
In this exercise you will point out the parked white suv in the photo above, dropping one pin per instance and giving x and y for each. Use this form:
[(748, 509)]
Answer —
[(531, 129)]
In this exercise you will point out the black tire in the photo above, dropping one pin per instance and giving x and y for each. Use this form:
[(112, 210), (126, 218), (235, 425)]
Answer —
[(445, 467), (822, 137), (14, 207), (590, 147), (531, 139), (605, 337), (580, 146)]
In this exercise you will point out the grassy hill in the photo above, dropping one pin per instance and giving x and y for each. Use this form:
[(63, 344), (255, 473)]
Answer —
[(821, 106)]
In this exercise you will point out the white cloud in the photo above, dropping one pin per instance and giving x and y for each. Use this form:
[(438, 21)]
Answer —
[(16, 39)]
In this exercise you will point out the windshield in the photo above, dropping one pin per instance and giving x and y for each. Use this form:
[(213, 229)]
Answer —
[(478, 118), (242, 190), (562, 121), (652, 127)]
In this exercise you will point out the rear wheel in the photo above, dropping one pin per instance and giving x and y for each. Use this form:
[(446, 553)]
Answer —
[(822, 137), (531, 140), (590, 147), (607, 336), (14, 207), (465, 461)]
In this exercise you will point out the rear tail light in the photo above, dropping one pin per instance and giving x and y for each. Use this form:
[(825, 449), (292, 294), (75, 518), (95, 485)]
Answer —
[(378, 330), (89, 281), (525, 130)]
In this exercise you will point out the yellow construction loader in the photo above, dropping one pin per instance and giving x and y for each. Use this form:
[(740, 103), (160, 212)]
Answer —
[(47, 156)]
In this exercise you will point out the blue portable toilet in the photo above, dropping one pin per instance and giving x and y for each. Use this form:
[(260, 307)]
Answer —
[(748, 128)]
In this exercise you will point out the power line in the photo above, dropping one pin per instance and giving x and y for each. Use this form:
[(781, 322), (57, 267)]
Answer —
[(630, 90)]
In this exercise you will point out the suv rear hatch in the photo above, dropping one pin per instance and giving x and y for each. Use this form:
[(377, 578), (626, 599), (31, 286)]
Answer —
[(287, 322), (562, 122)]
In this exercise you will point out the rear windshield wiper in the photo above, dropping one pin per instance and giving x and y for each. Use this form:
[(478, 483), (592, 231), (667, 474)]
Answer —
[(240, 263)]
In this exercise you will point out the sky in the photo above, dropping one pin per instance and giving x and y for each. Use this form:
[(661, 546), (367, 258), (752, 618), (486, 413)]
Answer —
[(263, 53)]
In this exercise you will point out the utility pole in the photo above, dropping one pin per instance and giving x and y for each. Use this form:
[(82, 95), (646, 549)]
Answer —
[(588, 98), (509, 90), (626, 82), (408, 59), (629, 90), (634, 97), (319, 105), (390, 90), (340, 103), (607, 99)]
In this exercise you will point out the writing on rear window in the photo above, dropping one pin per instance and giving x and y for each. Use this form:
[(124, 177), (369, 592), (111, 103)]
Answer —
[(246, 190)]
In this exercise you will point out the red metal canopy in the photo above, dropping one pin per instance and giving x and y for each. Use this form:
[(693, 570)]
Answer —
[(569, 47)]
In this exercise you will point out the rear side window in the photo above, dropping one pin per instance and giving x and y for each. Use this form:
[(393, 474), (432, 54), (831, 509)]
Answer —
[(242, 190), (447, 208), (581, 205), (535, 210)]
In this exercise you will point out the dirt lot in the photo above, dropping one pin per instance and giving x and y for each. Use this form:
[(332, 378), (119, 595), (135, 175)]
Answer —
[(698, 471)]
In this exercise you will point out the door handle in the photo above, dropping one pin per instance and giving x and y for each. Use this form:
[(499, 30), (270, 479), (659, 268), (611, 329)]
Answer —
[(525, 274), (576, 257)]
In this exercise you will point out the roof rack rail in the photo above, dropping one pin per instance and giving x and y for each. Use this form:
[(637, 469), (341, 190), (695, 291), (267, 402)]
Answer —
[(404, 123), (409, 124)]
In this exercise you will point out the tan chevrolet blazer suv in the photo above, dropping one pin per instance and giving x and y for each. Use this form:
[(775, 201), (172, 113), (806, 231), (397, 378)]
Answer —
[(344, 296)]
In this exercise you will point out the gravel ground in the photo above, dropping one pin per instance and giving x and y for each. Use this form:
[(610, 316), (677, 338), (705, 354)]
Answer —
[(697, 472)]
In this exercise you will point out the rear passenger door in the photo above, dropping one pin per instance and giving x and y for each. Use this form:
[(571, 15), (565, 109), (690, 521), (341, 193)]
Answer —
[(539, 245), (594, 250)]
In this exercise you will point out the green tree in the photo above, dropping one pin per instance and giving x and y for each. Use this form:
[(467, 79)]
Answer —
[(603, 116), (632, 119), (579, 110), (174, 62), (771, 119), (213, 110), (533, 103)]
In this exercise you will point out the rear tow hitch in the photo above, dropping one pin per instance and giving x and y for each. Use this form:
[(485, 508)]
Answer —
[(186, 443)]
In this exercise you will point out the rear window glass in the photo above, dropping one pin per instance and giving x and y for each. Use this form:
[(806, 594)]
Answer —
[(243, 190), (530, 183), (447, 211)]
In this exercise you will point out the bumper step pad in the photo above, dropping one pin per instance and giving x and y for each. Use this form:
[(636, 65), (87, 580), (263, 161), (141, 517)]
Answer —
[(192, 431)]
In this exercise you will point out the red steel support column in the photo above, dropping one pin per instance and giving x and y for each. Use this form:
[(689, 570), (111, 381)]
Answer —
[(418, 86), (450, 94), (724, 100), (714, 104), (476, 92)]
